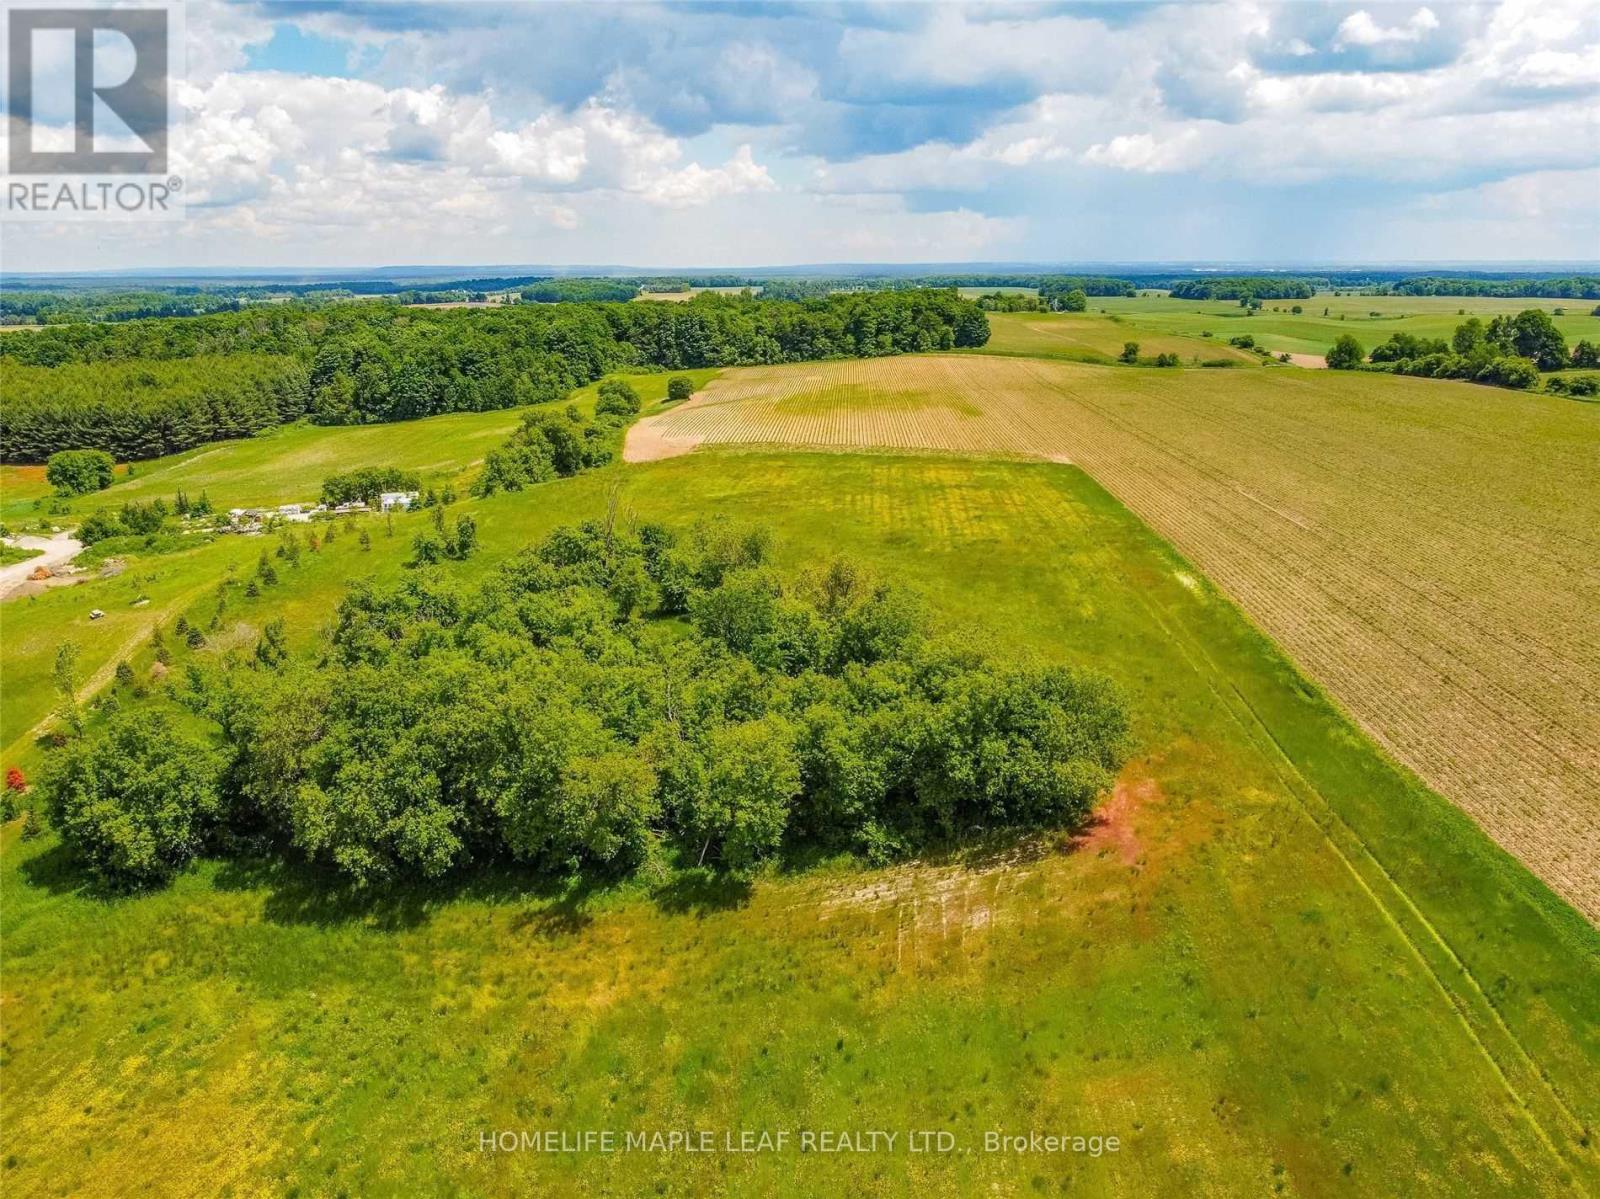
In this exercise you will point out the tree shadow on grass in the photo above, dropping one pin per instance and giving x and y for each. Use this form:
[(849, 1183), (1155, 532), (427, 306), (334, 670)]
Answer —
[(302, 894), (58, 871), (700, 891), (298, 893)]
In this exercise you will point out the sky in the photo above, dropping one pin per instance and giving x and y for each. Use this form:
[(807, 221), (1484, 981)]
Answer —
[(666, 135)]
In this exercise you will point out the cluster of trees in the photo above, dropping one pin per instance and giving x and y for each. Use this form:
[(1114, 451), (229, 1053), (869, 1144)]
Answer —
[(144, 409), (1010, 301), (134, 519), (1508, 351), (365, 484), (615, 397), (720, 330), (553, 716), (1060, 292), (78, 472), (555, 291), (1130, 356), (1245, 287), (151, 387), (445, 542), (548, 445)]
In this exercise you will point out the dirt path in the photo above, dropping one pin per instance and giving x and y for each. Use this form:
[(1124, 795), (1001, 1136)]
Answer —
[(57, 551), (648, 441), (106, 671), (1314, 362)]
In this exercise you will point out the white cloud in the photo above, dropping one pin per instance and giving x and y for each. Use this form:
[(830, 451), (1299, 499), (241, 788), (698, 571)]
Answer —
[(1360, 29), (452, 143), (696, 184), (1143, 152)]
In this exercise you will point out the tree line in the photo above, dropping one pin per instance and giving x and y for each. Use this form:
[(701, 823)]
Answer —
[(1245, 287), (611, 698), (1507, 351), (144, 388), (1580, 287), (46, 307), (131, 409), (555, 291)]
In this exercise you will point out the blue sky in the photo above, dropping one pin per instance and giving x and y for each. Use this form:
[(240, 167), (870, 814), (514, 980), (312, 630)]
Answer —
[(726, 135)]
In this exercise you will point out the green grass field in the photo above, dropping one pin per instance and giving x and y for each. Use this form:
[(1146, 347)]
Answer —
[(1281, 966), (1099, 337)]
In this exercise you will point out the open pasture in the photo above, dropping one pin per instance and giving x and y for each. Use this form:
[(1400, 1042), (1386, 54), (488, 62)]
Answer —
[(20, 487), (1427, 551), (973, 293), (1278, 965), (288, 463)]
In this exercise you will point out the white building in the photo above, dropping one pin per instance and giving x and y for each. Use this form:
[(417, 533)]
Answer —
[(396, 499)]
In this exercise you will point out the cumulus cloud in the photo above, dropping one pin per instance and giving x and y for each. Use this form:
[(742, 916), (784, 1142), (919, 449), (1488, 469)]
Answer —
[(696, 184), (1360, 29), (809, 132), (259, 136), (1143, 151)]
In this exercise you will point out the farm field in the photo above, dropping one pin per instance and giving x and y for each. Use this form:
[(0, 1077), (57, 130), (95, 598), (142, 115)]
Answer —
[(1279, 964), (972, 293), (1095, 337), (1418, 547), (680, 297), (1276, 328)]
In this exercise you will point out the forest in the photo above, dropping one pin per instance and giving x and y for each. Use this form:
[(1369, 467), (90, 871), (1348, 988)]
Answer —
[(1245, 287), (144, 409), (1582, 287), (142, 388), (612, 698)]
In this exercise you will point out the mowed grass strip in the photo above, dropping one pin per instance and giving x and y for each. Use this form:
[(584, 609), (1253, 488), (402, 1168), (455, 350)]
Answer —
[(1211, 977), (1426, 550)]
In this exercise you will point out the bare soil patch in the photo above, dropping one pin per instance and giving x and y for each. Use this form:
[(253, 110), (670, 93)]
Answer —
[(1112, 829)]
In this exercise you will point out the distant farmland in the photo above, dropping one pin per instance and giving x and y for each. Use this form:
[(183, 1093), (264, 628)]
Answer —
[(1099, 337), (1429, 552)]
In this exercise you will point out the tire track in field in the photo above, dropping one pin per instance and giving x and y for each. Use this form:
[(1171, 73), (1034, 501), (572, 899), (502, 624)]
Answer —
[(106, 671), (1473, 1009)]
